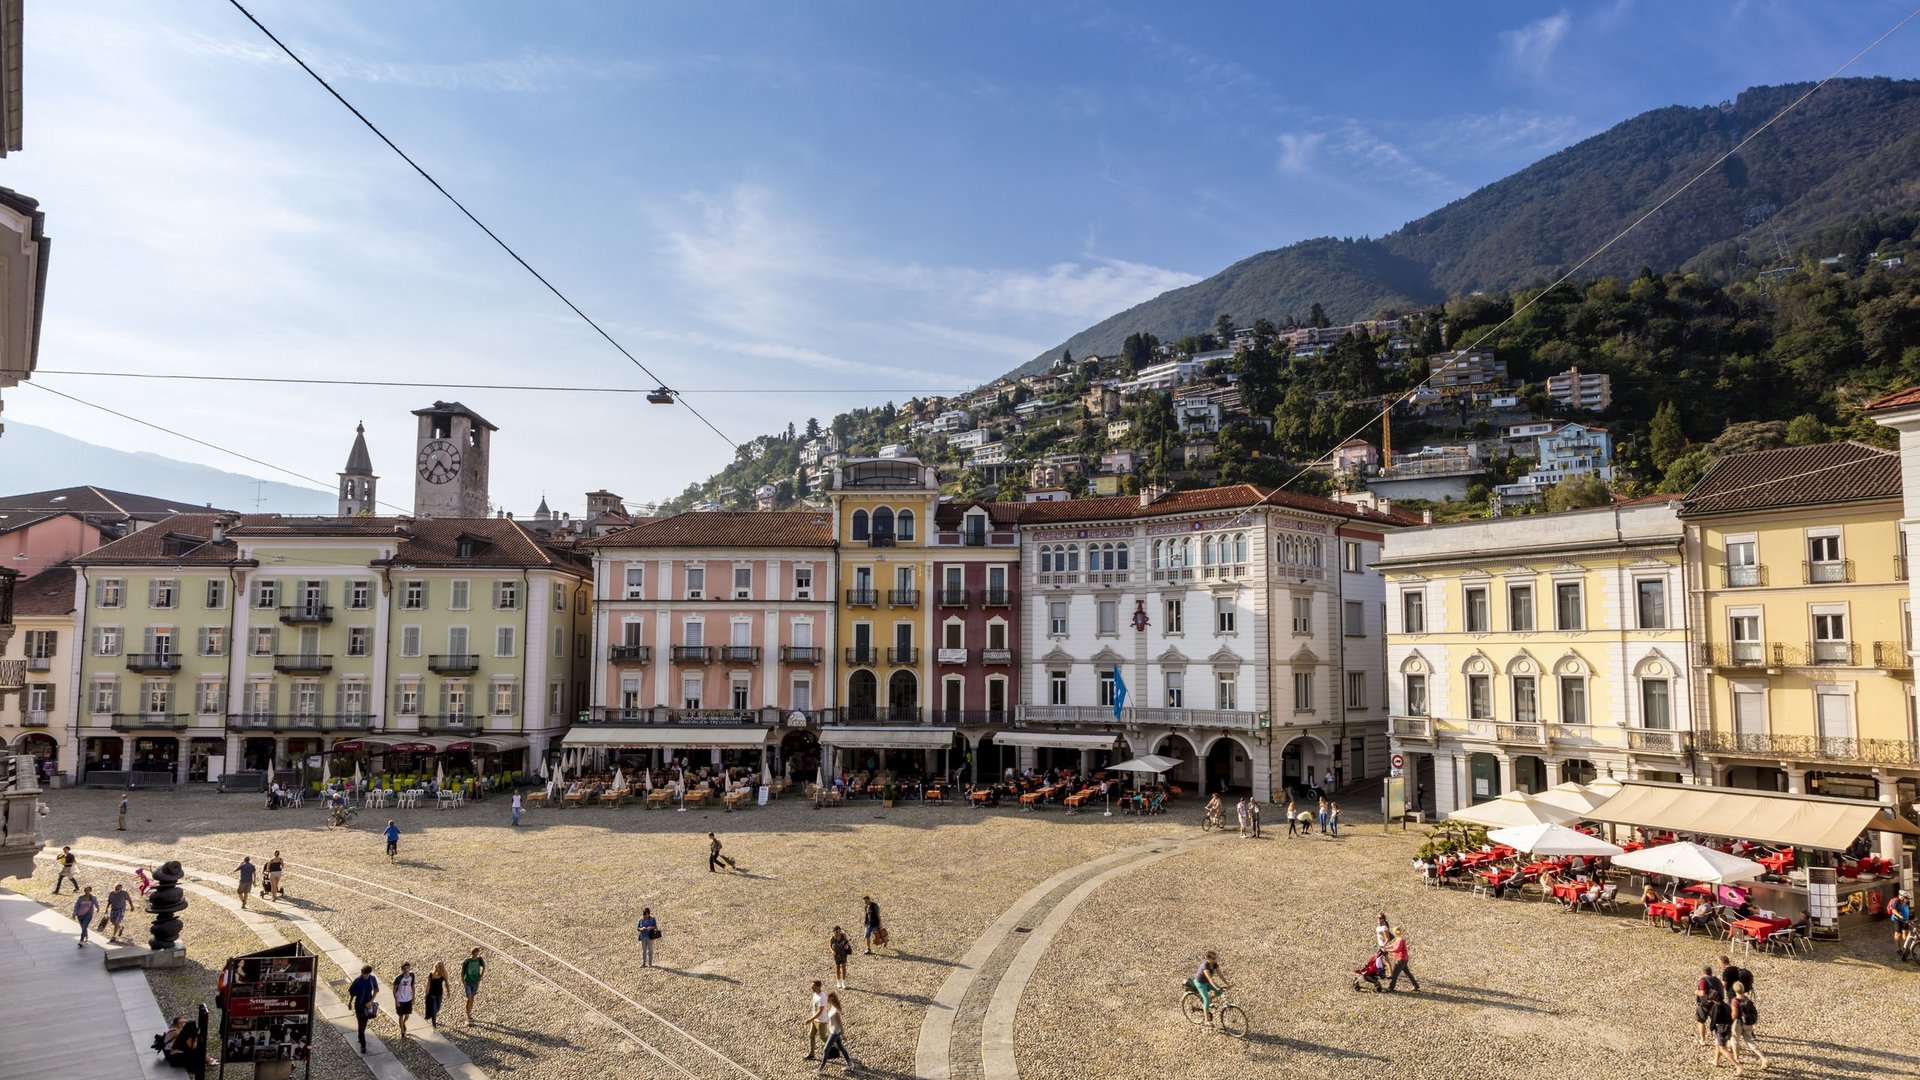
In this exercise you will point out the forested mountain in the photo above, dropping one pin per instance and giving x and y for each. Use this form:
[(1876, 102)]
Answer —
[(1849, 151)]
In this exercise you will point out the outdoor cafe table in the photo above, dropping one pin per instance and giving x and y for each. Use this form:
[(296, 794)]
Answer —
[(1778, 862), (1570, 891), (1758, 928), (1496, 877), (1671, 910)]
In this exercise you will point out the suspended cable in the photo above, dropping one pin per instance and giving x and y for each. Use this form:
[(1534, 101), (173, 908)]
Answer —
[(472, 386)]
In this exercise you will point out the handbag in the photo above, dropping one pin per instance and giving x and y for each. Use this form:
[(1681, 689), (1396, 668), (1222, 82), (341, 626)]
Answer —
[(654, 933)]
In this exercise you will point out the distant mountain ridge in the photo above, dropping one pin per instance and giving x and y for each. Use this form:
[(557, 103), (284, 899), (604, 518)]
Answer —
[(35, 459), (1850, 150)]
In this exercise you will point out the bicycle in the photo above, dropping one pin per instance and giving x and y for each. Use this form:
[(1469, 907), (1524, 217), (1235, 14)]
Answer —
[(1230, 1019), (1216, 819)]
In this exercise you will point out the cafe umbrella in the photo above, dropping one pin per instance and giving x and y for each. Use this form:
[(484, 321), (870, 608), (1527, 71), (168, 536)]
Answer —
[(1692, 862), (1549, 839), (1513, 810)]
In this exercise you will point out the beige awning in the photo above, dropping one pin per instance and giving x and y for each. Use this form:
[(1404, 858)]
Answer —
[(887, 738), (1062, 739), (679, 738), (1806, 821)]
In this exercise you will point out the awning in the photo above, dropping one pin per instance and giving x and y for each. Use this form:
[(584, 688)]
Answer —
[(398, 742), (1053, 738), (489, 744), (887, 738), (682, 738), (1805, 821)]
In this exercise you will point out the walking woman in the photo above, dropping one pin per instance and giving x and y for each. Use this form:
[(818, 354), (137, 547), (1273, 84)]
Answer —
[(86, 904), (842, 947), (436, 992), (649, 929), (836, 1036), (403, 996)]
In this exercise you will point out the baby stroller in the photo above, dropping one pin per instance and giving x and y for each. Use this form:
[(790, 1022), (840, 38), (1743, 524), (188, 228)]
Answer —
[(1372, 971)]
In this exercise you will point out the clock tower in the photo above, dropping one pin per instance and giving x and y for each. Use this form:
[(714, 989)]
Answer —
[(450, 462)]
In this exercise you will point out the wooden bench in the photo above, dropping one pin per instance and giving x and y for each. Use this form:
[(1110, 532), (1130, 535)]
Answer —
[(657, 797)]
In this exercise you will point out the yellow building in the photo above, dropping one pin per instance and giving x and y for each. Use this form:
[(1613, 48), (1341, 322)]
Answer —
[(39, 663), (1803, 680)]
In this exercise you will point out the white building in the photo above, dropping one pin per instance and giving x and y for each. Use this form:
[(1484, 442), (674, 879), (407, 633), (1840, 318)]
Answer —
[(1577, 390), (1163, 376), (969, 440), (993, 453)]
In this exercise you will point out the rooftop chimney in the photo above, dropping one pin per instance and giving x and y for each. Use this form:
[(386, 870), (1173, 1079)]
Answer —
[(1152, 493), (1426, 516)]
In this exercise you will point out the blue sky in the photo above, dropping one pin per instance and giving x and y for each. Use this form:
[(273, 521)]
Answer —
[(809, 206)]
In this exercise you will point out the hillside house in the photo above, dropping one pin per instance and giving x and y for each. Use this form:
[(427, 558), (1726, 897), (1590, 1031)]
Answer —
[(1196, 414), (969, 440), (1356, 455), (1102, 401), (1119, 429), (1591, 392), (1163, 376), (1122, 462)]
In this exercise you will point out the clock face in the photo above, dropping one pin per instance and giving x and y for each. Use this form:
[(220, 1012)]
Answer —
[(439, 461)]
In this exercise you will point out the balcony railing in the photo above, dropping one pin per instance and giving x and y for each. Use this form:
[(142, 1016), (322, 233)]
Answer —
[(972, 718), (35, 719), (863, 655), (996, 656), (740, 654), (1826, 571), (903, 597), (449, 722), (1749, 576), (1809, 747), (299, 721), (862, 598), (252, 721), (1410, 727), (306, 613), (300, 664), (1892, 656), (662, 715), (1658, 741), (997, 598), (690, 654), (1832, 653), (880, 539), (630, 654), (898, 655), (39, 663), (1744, 654), (13, 674), (881, 714), (1510, 734), (138, 721), (1230, 719), (954, 597), (453, 663), (153, 661), (801, 654)]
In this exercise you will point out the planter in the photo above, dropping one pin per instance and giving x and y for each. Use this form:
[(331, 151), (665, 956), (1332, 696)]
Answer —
[(887, 803)]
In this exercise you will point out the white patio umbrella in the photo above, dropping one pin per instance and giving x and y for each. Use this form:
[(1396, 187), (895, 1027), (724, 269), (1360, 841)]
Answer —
[(1691, 861), (1511, 811), (766, 769), (326, 770), (1551, 840), (1161, 764), (357, 782), (439, 773), (646, 780), (619, 779), (1576, 797)]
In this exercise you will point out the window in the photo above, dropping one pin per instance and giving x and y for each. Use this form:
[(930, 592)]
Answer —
[(1743, 631), (740, 689), (1833, 713), (306, 697), (1413, 612), (1526, 698), (1830, 645), (1650, 603), (559, 597), (556, 698), (1356, 689), (1223, 614), (110, 593), (506, 596), (954, 635), (1480, 697), (1056, 688), (262, 641), (157, 696), (997, 634), (696, 633), (210, 699), (802, 582), (453, 697), (696, 582), (213, 641), (1749, 710), (1520, 608), (1302, 691), (42, 644), (413, 596), (1416, 695), (1176, 617), (1350, 556), (1656, 707), (1303, 615), (904, 525), (1573, 699), (1823, 557), (1106, 688), (266, 593), (460, 598), (261, 697), (216, 593), (1109, 617), (1057, 617), (883, 523), (106, 641), (1176, 689), (1227, 691), (636, 583), (40, 698), (560, 642), (505, 695), (357, 638), (860, 525), (105, 697), (162, 592), (1743, 563), (1479, 618), (742, 582), (359, 595), (353, 699), (1355, 624), (409, 641), (457, 641), (1568, 613), (407, 699)]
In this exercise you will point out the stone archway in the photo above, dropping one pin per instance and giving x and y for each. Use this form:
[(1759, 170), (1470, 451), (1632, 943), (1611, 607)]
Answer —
[(1302, 761)]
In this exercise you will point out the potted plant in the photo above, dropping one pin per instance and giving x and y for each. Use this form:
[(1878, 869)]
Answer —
[(888, 794)]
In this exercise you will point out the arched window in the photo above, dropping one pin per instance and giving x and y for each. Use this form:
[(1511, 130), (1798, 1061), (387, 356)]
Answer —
[(1046, 559), (1073, 557), (1240, 547), (1209, 554), (1157, 555), (1182, 552), (906, 524), (883, 522), (1120, 556), (860, 525)]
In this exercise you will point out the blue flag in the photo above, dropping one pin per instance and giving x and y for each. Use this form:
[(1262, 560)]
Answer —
[(1119, 693)]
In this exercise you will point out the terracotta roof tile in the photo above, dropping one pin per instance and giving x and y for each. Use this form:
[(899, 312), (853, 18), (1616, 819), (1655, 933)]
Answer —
[(49, 592), (728, 528), (183, 540), (505, 542), (1231, 497), (1796, 476), (1897, 400)]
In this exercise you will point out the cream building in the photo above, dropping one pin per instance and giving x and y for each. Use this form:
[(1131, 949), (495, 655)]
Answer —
[(35, 722)]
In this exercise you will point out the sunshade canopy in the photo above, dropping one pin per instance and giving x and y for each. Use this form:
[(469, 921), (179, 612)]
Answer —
[(687, 738), (1136, 765), (1161, 762), (1067, 740), (1692, 862), (1576, 797), (490, 744), (1513, 810), (1804, 821), (1549, 839), (887, 738)]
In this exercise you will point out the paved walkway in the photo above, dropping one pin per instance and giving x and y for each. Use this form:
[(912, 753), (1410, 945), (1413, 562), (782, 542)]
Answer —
[(66, 1014)]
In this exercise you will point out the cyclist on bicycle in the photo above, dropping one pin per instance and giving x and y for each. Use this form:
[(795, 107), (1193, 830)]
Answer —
[(1214, 809), (1206, 982)]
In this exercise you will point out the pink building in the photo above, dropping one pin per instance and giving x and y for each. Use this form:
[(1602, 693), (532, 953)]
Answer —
[(45, 528)]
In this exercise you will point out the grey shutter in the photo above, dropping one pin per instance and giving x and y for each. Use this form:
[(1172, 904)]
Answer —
[(514, 703), (113, 699), (273, 698), (147, 642), (425, 592), (153, 592), (444, 690)]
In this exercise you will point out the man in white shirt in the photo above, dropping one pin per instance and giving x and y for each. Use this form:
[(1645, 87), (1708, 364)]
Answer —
[(817, 1022)]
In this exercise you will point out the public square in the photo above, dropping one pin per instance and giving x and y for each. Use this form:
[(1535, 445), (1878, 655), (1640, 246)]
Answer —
[(1051, 943)]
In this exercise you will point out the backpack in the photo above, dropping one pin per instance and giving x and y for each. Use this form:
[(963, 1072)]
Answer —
[(1737, 975), (1749, 1014)]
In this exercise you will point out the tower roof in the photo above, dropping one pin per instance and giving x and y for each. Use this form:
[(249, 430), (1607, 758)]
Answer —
[(455, 408), (359, 463)]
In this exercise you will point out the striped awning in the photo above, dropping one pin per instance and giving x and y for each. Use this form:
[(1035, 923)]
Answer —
[(887, 738)]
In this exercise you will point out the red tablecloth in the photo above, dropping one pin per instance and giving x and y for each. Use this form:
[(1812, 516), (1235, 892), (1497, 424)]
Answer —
[(1541, 867), (1496, 877), (1570, 891), (1670, 909), (1757, 928), (1632, 845), (1777, 863)]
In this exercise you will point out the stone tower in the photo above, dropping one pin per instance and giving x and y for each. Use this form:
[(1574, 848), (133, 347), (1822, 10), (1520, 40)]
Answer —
[(450, 462), (357, 482)]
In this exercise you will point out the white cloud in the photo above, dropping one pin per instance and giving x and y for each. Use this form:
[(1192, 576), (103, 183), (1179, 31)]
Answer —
[(1297, 151), (1530, 49), (1519, 130)]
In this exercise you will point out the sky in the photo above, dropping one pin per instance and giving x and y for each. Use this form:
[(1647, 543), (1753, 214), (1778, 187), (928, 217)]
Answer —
[(784, 210)]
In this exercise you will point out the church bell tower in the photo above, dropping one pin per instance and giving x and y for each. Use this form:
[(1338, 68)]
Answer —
[(450, 462), (357, 482)]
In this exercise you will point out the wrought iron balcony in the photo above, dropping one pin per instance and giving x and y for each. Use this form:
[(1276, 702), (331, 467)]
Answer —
[(953, 597), (299, 721), (1243, 720), (903, 597), (1750, 576), (1808, 747), (740, 654), (153, 661), (13, 674), (39, 663), (1410, 727), (881, 714), (996, 656), (662, 715), (691, 654), (862, 598), (972, 718), (898, 655), (297, 664), (306, 613), (453, 663), (880, 539), (857, 654), (1745, 654), (801, 654), (35, 719), (1831, 653), (1826, 571), (630, 654), (1659, 741), (252, 721), (147, 720), (449, 722), (1892, 656), (997, 598)]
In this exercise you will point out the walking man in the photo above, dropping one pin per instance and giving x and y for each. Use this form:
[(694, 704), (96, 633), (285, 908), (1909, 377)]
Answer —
[(274, 866), (245, 870), (816, 1022), (66, 861), (516, 808), (713, 854), (403, 996), (122, 827), (471, 969), (1745, 1016), (649, 929), (117, 902), (1253, 815), (1397, 951), (1706, 991), (393, 841), (363, 993), (871, 920), (84, 907)]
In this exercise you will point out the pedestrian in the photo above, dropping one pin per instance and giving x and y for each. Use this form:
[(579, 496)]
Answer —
[(471, 969), (649, 929), (403, 996), (393, 841), (842, 947), (275, 866), (713, 854), (1292, 825), (246, 871), (364, 994), (436, 992), (1706, 991), (816, 1021), (870, 919), (836, 1035), (66, 861), (117, 903), (1399, 953), (1240, 812), (84, 907), (1326, 782), (1732, 975), (122, 827), (1333, 819), (1253, 815), (1382, 932), (1720, 1019), (516, 808), (1745, 1016), (1323, 817)]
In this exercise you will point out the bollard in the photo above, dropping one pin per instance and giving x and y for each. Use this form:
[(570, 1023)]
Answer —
[(165, 902)]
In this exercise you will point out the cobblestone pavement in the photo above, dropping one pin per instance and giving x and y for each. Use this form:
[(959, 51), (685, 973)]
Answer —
[(1508, 987)]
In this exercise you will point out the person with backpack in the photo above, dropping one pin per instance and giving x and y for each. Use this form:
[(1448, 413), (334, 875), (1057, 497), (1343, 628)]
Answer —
[(403, 996), (1732, 975), (649, 930), (1706, 990), (1720, 1019), (870, 916), (1745, 1015), (84, 907), (364, 994)]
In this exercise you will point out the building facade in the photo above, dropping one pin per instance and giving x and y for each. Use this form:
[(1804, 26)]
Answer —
[(975, 581), (37, 668), (1526, 652)]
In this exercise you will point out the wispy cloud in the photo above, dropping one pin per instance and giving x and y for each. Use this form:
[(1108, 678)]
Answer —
[(1298, 149), (1517, 130), (1529, 50)]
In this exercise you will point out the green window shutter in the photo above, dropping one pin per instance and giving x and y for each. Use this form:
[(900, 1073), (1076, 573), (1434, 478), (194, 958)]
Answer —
[(445, 691)]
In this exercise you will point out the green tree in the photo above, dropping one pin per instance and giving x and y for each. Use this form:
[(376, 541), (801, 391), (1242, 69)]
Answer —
[(1806, 430), (1666, 440), (1223, 328), (1317, 316), (1578, 493), (813, 428)]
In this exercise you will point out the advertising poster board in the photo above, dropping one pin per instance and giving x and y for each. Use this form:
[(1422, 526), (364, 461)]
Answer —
[(267, 1012)]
